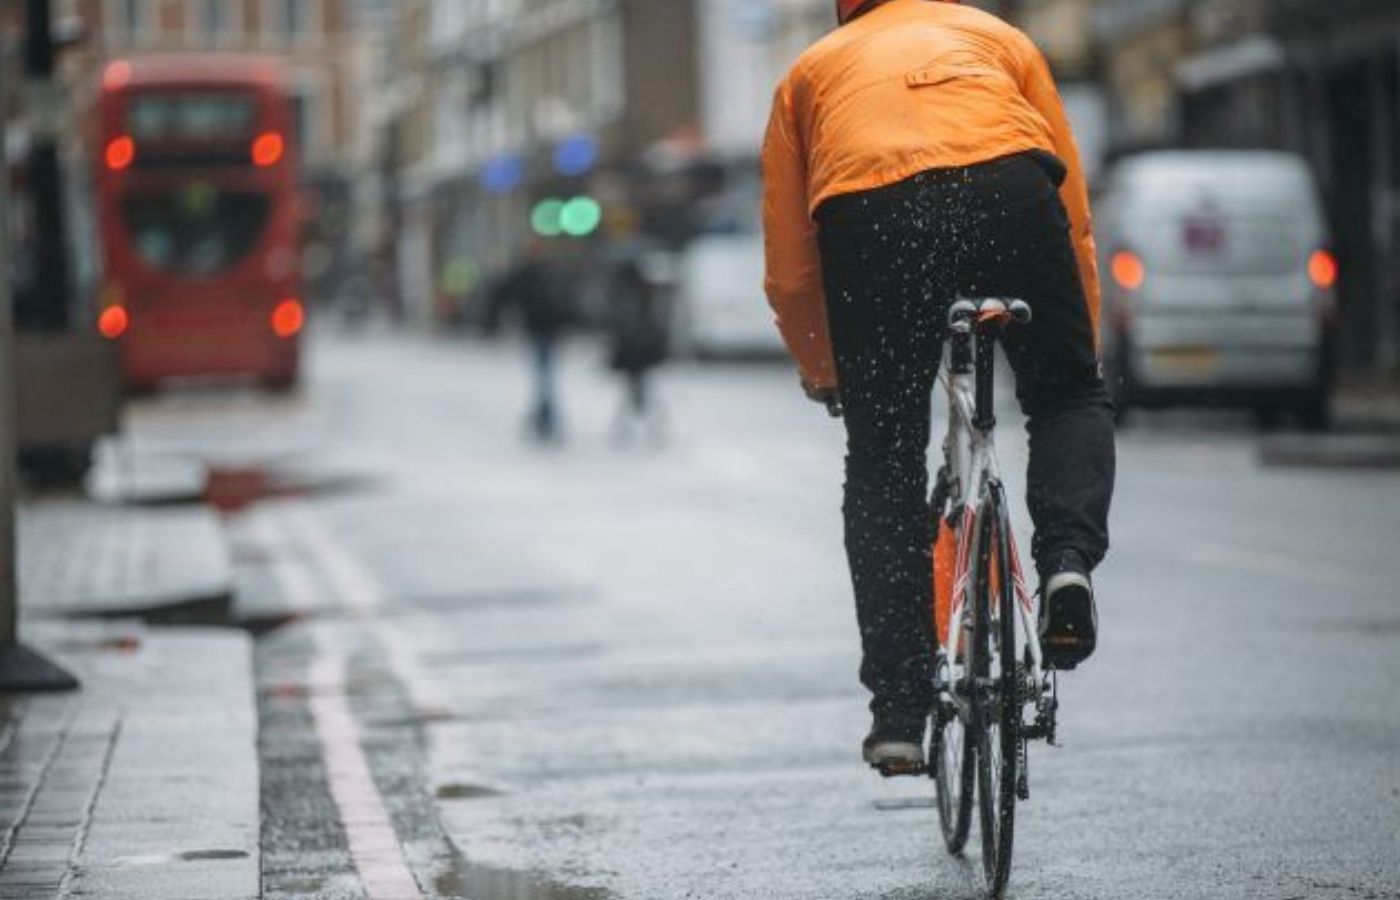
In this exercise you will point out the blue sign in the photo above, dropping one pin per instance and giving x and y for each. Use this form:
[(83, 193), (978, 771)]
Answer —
[(502, 175), (576, 155)]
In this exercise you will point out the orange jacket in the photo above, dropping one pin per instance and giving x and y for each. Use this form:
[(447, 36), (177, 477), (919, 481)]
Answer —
[(909, 86)]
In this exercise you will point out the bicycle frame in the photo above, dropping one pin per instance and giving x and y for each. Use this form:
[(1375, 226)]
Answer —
[(971, 466)]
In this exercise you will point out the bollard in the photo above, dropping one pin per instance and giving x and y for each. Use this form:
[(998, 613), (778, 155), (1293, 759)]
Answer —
[(21, 669)]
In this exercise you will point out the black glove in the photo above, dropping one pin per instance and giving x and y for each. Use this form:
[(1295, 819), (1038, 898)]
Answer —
[(830, 397)]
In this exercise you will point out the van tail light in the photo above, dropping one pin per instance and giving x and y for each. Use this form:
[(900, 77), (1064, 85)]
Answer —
[(288, 318), (1323, 270), (113, 322), (1127, 270), (120, 153)]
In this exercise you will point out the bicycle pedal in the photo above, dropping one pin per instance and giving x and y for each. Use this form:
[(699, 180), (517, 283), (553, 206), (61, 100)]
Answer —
[(899, 770)]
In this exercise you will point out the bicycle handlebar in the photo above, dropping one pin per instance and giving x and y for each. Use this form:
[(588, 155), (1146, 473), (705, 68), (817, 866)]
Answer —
[(987, 313)]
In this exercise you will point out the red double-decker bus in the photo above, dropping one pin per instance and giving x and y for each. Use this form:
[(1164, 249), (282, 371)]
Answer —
[(197, 204)]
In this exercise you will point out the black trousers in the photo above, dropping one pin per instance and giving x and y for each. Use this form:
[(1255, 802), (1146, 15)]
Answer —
[(893, 260)]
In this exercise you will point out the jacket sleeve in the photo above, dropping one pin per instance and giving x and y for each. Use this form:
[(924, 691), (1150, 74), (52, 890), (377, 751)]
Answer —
[(1039, 88), (793, 280)]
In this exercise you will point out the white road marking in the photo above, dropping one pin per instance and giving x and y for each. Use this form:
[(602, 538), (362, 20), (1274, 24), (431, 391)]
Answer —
[(299, 588), (351, 583), (373, 843)]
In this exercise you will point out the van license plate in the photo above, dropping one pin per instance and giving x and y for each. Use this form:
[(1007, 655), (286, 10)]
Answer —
[(1198, 362)]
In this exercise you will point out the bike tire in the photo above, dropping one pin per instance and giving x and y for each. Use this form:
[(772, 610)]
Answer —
[(953, 755), (998, 707), (952, 752)]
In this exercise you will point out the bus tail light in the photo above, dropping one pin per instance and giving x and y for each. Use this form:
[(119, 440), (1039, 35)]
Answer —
[(268, 149), (117, 75), (1127, 269), (113, 322), (288, 318), (121, 152), (1323, 270)]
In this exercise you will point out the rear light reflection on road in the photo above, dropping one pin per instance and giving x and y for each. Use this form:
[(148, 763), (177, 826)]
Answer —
[(288, 318)]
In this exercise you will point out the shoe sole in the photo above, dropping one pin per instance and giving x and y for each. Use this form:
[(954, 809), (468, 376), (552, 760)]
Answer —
[(893, 765), (1070, 632)]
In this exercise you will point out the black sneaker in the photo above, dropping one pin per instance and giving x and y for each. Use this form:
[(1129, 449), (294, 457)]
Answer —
[(1069, 623), (895, 745)]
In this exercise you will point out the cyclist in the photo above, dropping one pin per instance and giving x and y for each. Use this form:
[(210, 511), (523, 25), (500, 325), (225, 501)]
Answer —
[(917, 153)]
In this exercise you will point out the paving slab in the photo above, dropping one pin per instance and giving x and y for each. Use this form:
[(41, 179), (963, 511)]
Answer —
[(143, 784), (81, 559)]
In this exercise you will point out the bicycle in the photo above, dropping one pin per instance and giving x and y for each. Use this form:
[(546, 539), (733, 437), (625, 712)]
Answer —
[(991, 669)]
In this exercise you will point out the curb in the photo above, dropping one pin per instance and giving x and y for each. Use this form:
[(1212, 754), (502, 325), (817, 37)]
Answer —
[(214, 609), (1332, 451)]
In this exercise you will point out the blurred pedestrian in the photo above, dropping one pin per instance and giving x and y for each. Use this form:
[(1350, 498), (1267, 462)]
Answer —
[(639, 335), (537, 294)]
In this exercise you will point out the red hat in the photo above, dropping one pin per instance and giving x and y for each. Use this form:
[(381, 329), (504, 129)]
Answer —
[(847, 9)]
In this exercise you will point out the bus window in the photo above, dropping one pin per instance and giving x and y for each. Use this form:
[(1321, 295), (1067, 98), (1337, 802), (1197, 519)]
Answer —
[(205, 116), (196, 229)]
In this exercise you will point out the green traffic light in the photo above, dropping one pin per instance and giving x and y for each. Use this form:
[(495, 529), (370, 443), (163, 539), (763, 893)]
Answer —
[(580, 217), (546, 217)]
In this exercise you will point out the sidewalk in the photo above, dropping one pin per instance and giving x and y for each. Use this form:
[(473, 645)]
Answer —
[(1366, 433), (85, 560), (143, 785)]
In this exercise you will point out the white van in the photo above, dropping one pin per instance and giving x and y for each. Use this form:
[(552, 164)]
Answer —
[(722, 304), (1218, 283)]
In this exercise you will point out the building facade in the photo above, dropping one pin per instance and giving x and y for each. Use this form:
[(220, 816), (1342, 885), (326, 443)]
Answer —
[(486, 93)]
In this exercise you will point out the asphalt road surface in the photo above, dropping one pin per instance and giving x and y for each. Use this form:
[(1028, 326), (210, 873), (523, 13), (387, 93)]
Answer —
[(602, 671)]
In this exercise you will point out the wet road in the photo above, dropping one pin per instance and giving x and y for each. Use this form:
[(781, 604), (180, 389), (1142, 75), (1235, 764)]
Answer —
[(591, 672)]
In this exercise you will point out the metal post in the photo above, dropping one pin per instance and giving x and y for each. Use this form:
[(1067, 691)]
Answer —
[(53, 290), (8, 397), (21, 669)]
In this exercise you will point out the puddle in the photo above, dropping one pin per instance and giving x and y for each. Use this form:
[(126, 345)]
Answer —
[(458, 791), (483, 883), (232, 489), (165, 859), (194, 855), (906, 803)]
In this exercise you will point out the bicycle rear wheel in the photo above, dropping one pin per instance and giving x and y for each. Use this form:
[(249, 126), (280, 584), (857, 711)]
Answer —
[(997, 711)]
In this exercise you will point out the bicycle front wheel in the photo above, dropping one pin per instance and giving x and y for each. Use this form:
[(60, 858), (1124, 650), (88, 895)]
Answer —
[(997, 712)]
